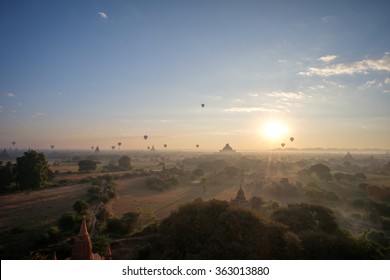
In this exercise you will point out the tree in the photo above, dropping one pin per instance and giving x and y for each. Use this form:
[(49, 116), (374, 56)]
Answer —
[(32, 170), (232, 171), (217, 230), (87, 165), (306, 217), (125, 162), (198, 172), (6, 174), (81, 207), (322, 171)]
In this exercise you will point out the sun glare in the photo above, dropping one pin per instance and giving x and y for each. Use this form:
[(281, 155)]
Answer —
[(274, 130)]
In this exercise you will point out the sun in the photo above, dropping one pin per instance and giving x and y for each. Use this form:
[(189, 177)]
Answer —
[(274, 130)]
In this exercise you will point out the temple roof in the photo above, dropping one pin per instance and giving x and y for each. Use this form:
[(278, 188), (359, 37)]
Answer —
[(227, 148), (82, 248), (240, 195)]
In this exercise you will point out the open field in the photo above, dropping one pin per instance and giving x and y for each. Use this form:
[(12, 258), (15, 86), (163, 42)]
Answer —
[(38, 208)]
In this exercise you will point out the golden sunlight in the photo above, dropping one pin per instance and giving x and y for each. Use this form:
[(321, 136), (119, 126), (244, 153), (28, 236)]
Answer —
[(274, 130)]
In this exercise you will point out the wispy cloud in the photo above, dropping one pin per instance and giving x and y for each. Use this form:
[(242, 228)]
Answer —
[(370, 84), (286, 96), (327, 58), (103, 15), (39, 114), (10, 94), (327, 19), (362, 66), (249, 109)]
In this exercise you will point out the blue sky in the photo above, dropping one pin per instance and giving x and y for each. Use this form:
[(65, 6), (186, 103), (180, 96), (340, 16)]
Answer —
[(77, 74)]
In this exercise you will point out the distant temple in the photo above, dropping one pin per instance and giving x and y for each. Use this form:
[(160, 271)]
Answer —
[(240, 199), (82, 247), (97, 150), (348, 156), (227, 148), (153, 149)]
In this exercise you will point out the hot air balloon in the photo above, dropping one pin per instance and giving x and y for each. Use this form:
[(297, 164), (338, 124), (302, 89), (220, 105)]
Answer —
[(119, 144), (113, 147), (148, 147), (13, 143), (165, 145), (92, 147), (197, 145), (291, 139), (52, 146), (282, 145), (202, 105), (145, 137)]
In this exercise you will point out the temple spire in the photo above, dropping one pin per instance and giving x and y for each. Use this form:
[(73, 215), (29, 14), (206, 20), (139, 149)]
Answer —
[(108, 255), (82, 248)]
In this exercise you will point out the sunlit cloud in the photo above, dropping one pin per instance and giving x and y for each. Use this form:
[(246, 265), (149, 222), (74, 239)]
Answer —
[(327, 58), (103, 15), (362, 67), (285, 96), (10, 94), (317, 87), (249, 109)]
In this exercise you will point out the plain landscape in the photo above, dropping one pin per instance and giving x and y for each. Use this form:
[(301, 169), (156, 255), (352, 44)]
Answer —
[(156, 185)]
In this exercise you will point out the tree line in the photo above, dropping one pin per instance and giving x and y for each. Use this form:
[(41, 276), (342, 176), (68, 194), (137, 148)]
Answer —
[(31, 171)]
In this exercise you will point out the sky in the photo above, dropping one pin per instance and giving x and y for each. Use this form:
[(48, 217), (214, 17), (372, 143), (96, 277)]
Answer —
[(76, 74)]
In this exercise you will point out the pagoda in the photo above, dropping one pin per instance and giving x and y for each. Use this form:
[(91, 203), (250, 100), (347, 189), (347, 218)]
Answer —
[(82, 248), (227, 148)]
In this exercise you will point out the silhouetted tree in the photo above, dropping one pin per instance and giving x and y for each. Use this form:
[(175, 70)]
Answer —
[(81, 207), (6, 174), (303, 217), (217, 230), (32, 170), (124, 162), (87, 165)]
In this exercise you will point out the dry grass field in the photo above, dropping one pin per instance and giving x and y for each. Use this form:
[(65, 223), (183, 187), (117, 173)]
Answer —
[(38, 208)]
